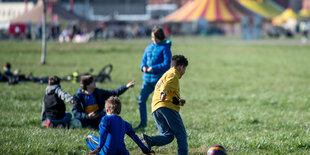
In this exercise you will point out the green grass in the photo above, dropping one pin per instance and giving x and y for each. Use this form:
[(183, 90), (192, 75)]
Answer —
[(250, 97)]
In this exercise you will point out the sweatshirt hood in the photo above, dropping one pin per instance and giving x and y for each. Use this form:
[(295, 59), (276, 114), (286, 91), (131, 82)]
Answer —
[(51, 89), (166, 43)]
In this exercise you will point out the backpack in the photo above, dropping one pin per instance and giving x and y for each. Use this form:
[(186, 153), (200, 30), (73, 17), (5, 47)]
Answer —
[(55, 108)]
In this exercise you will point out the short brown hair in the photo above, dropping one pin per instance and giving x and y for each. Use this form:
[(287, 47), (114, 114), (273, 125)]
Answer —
[(53, 80), (85, 81), (178, 60), (114, 105), (158, 33)]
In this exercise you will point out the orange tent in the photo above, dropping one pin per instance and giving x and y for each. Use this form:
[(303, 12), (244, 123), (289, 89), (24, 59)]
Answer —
[(211, 10)]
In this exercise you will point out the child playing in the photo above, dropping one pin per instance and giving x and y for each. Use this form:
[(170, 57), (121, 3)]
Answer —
[(90, 101), (166, 106), (53, 111), (112, 130), (155, 62)]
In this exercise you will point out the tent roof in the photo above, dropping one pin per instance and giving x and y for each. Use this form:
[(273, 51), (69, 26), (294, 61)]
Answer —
[(35, 15), (265, 8), (211, 10)]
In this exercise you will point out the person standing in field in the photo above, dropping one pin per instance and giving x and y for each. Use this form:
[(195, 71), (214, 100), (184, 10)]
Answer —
[(166, 105), (155, 62)]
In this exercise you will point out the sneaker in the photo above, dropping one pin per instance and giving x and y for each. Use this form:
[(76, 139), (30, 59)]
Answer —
[(48, 123), (145, 140)]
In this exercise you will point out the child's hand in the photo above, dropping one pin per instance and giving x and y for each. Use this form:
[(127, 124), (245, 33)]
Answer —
[(144, 69), (182, 102), (73, 102), (130, 84), (93, 115), (149, 69)]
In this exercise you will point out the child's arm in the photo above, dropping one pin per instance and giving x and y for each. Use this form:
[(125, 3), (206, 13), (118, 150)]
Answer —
[(130, 132), (118, 91), (102, 135), (103, 132), (43, 115), (165, 65), (77, 109), (63, 95), (144, 60)]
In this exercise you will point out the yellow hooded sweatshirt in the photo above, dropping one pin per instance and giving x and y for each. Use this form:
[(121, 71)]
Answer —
[(169, 84)]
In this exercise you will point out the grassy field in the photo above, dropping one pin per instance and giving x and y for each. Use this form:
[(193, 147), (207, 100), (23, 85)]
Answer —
[(250, 97)]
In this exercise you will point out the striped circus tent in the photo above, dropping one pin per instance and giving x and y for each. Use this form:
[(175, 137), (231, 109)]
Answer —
[(211, 10), (265, 8)]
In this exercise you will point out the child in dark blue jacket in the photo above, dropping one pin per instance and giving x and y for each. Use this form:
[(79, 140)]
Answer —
[(90, 101), (155, 62), (112, 130)]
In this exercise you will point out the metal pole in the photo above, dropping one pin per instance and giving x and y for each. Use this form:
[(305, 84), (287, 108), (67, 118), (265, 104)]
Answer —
[(43, 56)]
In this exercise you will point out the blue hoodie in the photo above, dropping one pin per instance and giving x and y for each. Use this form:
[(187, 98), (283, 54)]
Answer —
[(157, 56)]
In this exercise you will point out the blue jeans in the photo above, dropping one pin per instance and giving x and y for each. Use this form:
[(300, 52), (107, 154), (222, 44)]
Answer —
[(169, 124), (62, 121), (146, 90)]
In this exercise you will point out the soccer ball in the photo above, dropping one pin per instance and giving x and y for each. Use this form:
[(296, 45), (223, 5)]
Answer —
[(75, 123), (217, 150)]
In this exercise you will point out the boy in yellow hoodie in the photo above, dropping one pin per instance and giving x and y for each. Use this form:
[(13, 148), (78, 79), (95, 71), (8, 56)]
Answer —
[(166, 104)]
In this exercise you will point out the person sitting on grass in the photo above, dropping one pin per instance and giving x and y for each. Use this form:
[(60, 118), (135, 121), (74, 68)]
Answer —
[(54, 110), (166, 105), (7, 74), (90, 101), (112, 130)]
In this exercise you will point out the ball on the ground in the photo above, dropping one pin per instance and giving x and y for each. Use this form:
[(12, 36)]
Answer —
[(217, 150), (75, 123)]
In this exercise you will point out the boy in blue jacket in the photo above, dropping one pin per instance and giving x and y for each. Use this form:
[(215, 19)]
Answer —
[(90, 101), (112, 130), (156, 61)]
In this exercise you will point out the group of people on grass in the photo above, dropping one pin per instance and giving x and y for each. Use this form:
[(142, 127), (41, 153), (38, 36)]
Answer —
[(99, 108)]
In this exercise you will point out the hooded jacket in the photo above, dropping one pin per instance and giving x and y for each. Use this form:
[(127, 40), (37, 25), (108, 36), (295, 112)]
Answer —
[(101, 95), (157, 56), (53, 102)]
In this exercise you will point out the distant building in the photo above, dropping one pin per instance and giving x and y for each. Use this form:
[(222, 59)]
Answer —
[(10, 10), (106, 10)]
